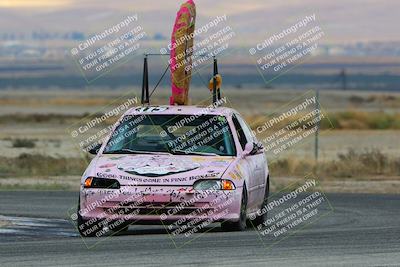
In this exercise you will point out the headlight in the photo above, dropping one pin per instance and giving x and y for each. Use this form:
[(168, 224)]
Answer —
[(214, 185), (93, 182)]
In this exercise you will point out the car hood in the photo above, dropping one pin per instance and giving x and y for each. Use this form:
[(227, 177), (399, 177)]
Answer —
[(160, 169)]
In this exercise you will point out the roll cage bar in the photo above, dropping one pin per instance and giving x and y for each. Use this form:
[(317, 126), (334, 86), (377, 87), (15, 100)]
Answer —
[(145, 100)]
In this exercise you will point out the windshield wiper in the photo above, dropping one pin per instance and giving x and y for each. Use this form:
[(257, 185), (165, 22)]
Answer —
[(183, 152), (130, 151), (174, 152)]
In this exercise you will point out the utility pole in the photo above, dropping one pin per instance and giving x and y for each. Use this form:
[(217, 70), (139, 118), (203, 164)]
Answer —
[(343, 78), (318, 119)]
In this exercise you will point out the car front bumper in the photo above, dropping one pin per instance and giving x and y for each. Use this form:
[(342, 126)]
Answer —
[(144, 204)]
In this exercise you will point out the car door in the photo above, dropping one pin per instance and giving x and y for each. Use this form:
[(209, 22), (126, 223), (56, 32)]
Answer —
[(249, 162), (257, 163)]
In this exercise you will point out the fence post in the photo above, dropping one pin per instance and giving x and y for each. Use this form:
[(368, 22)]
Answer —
[(317, 107)]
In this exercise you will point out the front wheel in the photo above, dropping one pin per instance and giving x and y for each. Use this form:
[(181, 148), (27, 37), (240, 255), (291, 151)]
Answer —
[(240, 225), (89, 228)]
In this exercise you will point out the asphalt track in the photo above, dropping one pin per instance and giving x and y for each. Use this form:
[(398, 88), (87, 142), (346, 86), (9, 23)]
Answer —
[(362, 230)]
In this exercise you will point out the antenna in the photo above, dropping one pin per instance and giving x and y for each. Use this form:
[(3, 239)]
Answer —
[(145, 83), (216, 91)]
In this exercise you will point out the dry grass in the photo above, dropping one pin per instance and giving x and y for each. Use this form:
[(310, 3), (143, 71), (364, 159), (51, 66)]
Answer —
[(36, 165), (51, 118), (26, 143), (23, 102), (387, 100), (363, 120), (352, 164), (349, 120), (368, 171), (366, 164)]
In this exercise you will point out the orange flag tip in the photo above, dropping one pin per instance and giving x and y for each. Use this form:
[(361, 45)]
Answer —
[(218, 77)]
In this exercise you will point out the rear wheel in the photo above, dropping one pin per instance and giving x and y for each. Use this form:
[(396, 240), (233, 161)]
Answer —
[(240, 225), (260, 219)]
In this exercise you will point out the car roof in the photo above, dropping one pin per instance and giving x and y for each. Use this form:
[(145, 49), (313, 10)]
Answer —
[(184, 110)]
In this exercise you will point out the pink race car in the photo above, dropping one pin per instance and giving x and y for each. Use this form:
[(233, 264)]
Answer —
[(175, 165)]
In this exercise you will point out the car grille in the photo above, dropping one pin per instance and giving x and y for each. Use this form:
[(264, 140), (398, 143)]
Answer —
[(154, 208)]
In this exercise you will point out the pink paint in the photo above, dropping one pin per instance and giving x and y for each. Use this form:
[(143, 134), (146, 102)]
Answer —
[(183, 11), (177, 175)]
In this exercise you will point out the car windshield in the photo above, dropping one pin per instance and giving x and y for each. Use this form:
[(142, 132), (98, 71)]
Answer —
[(205, 135)]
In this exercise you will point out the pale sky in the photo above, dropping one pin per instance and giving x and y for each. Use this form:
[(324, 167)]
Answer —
[(35, 3), (342, 20)]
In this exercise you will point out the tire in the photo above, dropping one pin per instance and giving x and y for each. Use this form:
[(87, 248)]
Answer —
[(240, 225), (89, 229), (262, 218)]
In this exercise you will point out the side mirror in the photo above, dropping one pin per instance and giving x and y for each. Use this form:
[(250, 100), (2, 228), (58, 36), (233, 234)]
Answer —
[(94, 149), (260, 146), (248, 149)]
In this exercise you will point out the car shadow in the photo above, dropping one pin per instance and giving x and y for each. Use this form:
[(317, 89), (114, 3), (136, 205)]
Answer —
[(135, 230), (161, 230)]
